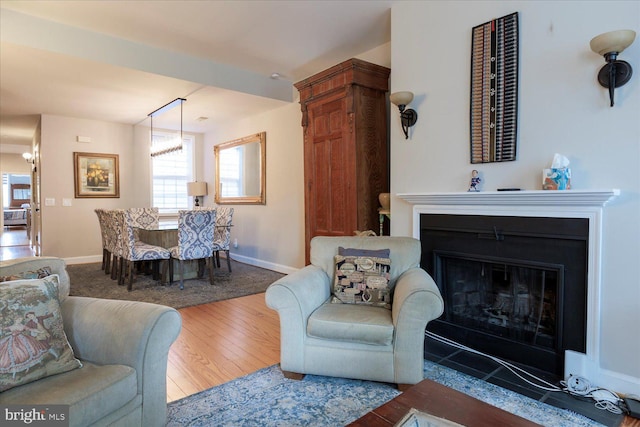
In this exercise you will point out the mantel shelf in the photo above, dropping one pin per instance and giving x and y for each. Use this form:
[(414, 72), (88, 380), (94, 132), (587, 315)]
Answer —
[(514, 198)]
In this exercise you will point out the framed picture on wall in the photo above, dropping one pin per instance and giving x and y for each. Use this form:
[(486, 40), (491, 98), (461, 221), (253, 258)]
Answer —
[(96, 175)]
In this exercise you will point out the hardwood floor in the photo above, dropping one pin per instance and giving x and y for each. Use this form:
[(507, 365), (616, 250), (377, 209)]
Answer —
[(221, 341), (14, 243), (224, 340)]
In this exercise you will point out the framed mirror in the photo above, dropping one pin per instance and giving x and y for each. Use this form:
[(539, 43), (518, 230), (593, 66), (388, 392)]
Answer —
[(241, 170)]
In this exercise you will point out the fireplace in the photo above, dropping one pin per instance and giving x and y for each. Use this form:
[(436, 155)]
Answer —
[(514, 287), (587, 205)]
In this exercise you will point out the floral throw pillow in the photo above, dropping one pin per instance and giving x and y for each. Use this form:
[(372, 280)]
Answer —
[(33, 344), (362, 279)]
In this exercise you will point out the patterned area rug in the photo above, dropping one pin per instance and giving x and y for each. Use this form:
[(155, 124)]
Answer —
[(88, 280), (266, 398)]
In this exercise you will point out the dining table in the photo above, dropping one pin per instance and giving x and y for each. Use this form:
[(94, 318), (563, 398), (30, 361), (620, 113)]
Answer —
[(166, 236)]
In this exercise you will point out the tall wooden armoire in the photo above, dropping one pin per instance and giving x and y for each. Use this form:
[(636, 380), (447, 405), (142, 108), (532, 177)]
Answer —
[(346, 160)]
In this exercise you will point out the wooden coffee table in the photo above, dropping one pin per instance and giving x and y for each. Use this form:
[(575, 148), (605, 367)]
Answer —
[(444, 402)]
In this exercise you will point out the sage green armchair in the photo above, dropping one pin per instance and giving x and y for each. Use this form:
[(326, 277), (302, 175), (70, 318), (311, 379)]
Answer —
[(123, 347), (356, 341)]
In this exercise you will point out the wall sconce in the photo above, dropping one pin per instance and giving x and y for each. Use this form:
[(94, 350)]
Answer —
[(197, 189), (615, 73), (29, 158), (408, 117)]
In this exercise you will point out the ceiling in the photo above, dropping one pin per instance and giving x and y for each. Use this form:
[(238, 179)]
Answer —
[(120, 60)]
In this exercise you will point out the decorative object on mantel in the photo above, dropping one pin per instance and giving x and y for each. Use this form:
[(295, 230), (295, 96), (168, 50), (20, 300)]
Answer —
[(494, 90), (196, 189), (408, 117), (558, 177), (614, 73), (384, 209), (474, 183)]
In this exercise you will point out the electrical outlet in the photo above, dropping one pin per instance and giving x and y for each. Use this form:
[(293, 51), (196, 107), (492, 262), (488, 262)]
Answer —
[(235, 243), (49, 201), (66, 202)]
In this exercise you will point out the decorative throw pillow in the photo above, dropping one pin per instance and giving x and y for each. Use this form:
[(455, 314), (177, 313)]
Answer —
[(378, 253), (362, 279), (33, 344), (33, 274)]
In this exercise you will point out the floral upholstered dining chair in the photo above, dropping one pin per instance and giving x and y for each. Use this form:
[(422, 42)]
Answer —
[(222, 234), (195, 240), (134, 250)]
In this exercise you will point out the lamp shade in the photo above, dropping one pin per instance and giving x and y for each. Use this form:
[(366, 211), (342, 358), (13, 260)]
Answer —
[(198, 188), (613, 41), (401, 98)]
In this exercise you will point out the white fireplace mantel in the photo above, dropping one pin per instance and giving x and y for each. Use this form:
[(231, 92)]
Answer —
[(514, 198), (537, 203)]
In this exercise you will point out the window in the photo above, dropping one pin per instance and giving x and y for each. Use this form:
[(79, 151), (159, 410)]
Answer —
[(170, 174)]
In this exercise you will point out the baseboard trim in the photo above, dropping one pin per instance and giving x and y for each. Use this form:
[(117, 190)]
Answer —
[(240, 258), (579, 364), (263, 264), (83, 259)]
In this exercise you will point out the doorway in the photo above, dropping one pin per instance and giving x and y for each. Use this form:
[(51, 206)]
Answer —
[(15, 238)]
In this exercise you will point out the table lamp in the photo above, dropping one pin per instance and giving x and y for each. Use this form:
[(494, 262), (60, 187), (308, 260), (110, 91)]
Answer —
[(197, 189)]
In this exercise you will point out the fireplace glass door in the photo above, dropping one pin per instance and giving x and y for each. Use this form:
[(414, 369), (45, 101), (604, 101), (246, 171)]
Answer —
[(502, 297)]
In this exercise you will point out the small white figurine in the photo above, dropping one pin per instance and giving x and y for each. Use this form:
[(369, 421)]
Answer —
[(475, 181)]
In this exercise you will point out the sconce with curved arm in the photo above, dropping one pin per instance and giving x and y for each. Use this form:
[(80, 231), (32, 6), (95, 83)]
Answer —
[(615, 73), (408, 117)]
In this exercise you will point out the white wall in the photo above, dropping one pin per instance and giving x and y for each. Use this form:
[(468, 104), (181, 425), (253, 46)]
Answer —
[(562, 109), (270, 235), (73, 232)]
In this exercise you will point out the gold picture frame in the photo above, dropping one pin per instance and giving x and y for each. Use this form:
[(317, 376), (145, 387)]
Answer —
[(241, 171), (96, 175)]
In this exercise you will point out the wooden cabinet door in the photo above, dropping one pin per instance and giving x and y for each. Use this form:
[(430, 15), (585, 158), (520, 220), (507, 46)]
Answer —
[(329, 171)]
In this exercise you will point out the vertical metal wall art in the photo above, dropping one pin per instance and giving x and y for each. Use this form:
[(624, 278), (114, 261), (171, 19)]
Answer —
[(494, 90)]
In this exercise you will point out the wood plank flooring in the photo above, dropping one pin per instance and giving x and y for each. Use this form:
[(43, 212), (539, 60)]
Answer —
[(14, 243), (221, 341), (224, 340)]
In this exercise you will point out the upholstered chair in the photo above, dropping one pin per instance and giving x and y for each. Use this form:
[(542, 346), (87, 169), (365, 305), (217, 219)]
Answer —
[(195, 240), (145, 218), (134, 250), (114, 221), (106, 255), (222, 234), (360, 341)]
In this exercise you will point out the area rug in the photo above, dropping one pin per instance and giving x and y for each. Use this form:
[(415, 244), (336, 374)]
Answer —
[(88, 280), (266, 398)]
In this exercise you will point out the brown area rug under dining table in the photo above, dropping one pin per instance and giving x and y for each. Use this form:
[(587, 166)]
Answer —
[(88, 280)]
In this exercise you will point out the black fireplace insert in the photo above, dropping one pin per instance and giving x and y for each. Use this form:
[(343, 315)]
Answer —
[(514, 287)]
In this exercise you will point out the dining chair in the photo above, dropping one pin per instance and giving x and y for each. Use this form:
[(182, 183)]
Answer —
[(114, 236), (222, 234), (134, 250), (144, 218), (195, 240), (106, 255)]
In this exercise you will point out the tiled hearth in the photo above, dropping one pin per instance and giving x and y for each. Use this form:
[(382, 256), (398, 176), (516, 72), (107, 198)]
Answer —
[(492, 372)]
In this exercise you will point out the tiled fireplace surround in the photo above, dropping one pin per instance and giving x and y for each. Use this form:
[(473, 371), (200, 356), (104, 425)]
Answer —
[(556, 204)]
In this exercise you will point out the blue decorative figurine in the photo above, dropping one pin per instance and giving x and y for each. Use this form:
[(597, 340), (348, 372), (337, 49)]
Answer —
[(475, 181)]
